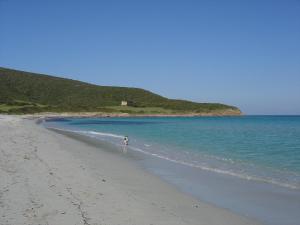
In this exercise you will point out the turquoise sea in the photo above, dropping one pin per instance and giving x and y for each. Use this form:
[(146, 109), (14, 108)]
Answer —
[(258, 151)]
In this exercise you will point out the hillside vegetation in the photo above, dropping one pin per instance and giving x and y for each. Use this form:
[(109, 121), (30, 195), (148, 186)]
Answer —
[(24, 92)]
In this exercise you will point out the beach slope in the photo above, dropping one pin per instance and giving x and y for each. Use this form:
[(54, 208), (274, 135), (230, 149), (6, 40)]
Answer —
[(48, 178)]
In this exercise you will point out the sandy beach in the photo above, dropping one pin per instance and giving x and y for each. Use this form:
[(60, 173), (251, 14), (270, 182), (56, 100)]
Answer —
[(49, 178)]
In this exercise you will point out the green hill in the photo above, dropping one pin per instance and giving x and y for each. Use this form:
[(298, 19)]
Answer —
[(24, 92)]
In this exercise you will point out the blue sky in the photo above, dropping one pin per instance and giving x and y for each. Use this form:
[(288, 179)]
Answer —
[(244, 53)]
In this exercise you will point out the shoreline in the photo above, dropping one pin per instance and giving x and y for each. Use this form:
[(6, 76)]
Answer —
[(48, 177), (247, 197), (49, 115)]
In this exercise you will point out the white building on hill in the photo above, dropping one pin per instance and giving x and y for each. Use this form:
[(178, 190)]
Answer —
[(124, 103)]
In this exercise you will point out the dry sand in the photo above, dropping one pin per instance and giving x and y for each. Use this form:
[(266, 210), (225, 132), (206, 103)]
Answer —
[(49, 179)]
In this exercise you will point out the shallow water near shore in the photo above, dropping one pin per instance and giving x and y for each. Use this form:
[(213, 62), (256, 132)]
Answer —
[(249, 164)]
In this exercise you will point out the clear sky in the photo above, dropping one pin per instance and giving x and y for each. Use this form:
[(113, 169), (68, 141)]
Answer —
[(244, 53)]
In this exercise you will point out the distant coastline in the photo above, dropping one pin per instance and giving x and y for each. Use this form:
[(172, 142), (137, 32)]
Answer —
[(29, 93), (49, 115)]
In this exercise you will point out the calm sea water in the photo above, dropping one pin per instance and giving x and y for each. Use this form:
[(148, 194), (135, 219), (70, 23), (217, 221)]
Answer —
[(255, 159), (265, 148)]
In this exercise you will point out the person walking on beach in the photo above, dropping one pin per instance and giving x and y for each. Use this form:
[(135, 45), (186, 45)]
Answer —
[(125, 140)]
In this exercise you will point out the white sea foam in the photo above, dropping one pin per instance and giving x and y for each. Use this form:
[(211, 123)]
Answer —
[(103, 134), (216, 170), (89, 133)]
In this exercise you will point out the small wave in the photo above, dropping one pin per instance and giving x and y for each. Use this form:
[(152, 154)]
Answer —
[(88, 132), (103, 134), (219, 171)]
